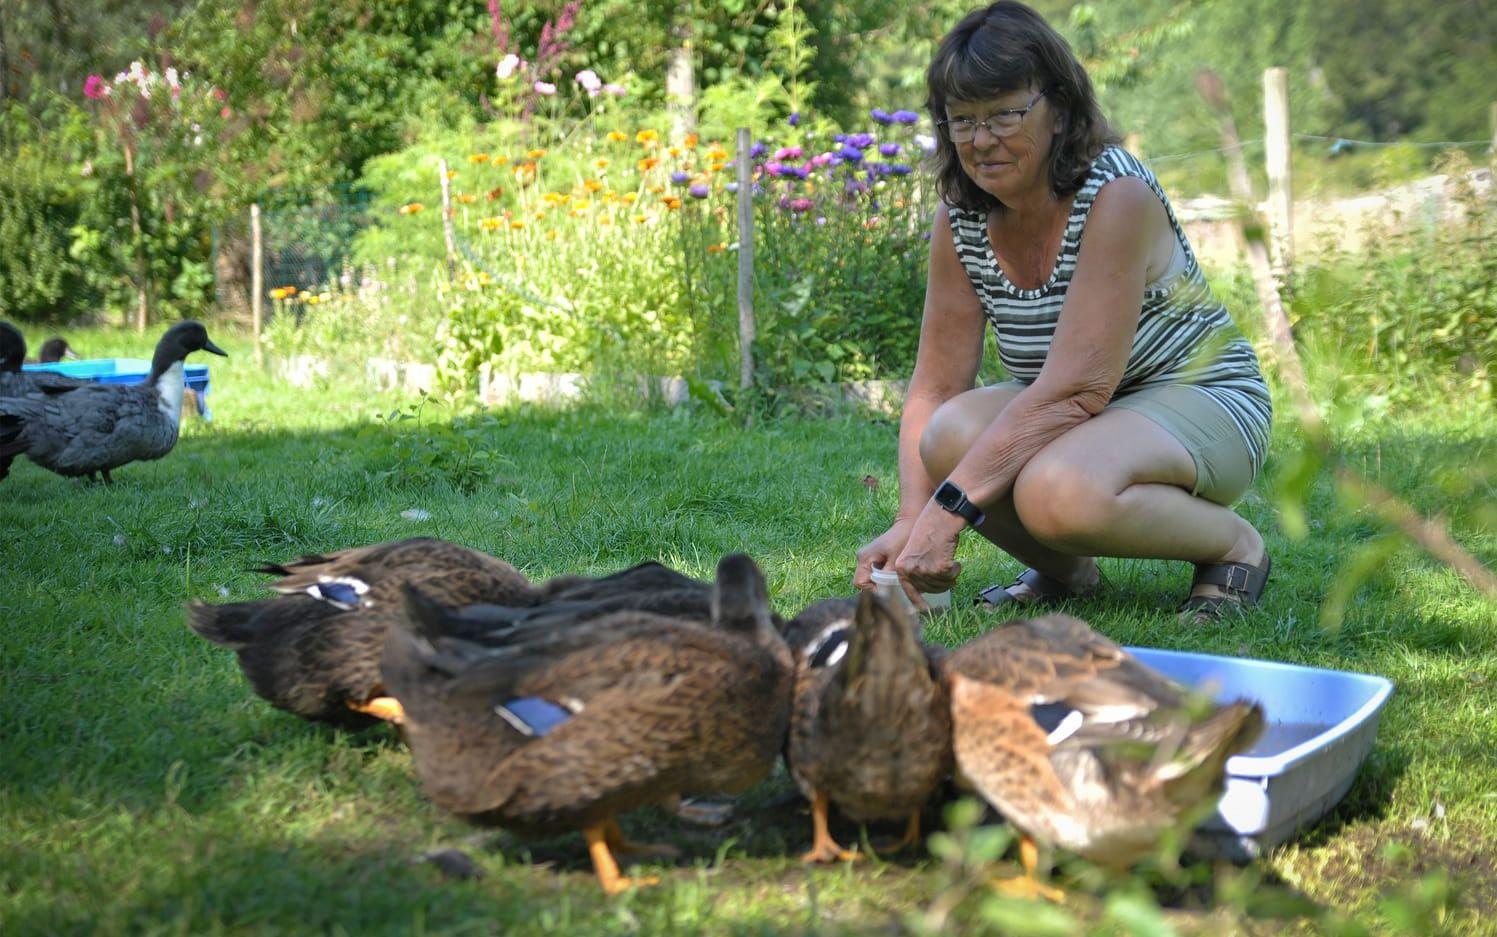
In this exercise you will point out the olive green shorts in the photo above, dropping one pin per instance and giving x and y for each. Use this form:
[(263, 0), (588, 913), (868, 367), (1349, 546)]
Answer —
[(1224, 461)]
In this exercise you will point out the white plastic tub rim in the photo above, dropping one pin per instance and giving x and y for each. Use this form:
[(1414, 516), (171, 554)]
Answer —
[(1377, 690)]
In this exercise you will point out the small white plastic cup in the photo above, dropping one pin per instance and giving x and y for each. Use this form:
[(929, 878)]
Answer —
[(889, 586)]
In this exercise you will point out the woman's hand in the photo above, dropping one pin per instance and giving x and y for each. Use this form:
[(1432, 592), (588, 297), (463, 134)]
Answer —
[(881, 552), (928, 560)]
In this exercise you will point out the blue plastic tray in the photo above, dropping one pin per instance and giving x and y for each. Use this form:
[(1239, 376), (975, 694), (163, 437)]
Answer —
[(129, 371), (1321, 725)]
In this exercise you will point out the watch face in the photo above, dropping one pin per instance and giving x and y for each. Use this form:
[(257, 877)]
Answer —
[(949, 496)]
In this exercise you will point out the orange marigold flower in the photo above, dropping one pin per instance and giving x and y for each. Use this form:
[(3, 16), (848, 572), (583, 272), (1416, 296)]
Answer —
[(491, 224), (646, 137), (592, 185), (674, 151), (499, 160), (466, 197), (412, 208), (495, 193), (516, 224), (648, 163), (691, 139), (628, 198), (617, 136), (716, 248), (640, 219), (657, 188), (535, 154), (600, 163), (452, 173), (672, 202), (717, 153), (478, 158)]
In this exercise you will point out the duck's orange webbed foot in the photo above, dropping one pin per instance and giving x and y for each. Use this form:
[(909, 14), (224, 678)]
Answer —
[(387, 708), (605, 866), (823, 847), (1028, 886)]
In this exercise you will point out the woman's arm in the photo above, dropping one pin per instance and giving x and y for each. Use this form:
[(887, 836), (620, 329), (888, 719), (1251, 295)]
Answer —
[(1085, 363), (946, 364)]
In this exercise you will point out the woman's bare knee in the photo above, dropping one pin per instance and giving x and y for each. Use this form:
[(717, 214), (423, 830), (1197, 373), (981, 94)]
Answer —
[(1061, 503), (956, 424)]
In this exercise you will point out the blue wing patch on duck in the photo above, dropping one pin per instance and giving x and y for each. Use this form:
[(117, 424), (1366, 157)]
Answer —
[(343, 592), (533, 716)]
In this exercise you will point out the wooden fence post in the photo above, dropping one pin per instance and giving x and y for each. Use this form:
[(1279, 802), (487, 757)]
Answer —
[(257, 275), (447, 233), (743, 164), (1276, 158)]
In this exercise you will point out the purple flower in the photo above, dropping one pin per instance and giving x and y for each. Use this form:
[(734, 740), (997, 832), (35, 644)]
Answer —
[(773, 169), (889, 149), (799, 172), (757, 150), (905, 117), (680, 177), (822, 159), (794, 119), (880, 115), (854, 187), (850, 154), (860, 140), (789, 152), (698, 191), (899, 169), (839, 137)]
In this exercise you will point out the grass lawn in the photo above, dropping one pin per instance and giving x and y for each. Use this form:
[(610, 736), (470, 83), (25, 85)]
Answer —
[(143, 788)]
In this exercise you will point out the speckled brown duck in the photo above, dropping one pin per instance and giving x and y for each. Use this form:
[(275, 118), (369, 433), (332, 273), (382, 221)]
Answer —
[(552, 729), (870, 731), (1080, 746), (314, 648)]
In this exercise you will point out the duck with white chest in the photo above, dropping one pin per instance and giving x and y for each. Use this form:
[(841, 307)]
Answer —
[(97, 428)]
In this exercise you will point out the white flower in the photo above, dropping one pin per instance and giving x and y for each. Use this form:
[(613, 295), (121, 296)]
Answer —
[(590, 82), (545, 88), (171, 77), (508, 66), (416, 514), (925, 142)]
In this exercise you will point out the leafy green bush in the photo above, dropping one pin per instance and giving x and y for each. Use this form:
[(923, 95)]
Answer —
[(1417, 308)]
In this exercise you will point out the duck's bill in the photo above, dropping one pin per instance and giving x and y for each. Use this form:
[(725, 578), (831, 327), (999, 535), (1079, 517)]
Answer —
[(70, 355), (209, 346)]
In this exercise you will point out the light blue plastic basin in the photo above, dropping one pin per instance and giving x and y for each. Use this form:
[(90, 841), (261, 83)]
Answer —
[(1321, 725)]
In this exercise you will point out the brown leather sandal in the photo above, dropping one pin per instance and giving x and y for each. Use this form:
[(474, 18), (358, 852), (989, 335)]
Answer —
[(1046, 591), (1242, 584)]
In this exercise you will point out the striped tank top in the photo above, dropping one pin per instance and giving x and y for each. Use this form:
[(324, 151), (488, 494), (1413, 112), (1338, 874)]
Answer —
[(1185, 335)]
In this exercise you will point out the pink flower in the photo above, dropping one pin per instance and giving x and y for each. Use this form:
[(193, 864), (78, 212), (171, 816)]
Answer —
[(94, 87), (615, 90), (590, 82), (224, 112), (545, 88)]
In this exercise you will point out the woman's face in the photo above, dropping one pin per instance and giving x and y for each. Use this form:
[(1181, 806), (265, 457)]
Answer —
[(1010, 164)]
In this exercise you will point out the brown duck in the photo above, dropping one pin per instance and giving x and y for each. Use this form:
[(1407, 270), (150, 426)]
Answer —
[(314, 648), (870, 730), (549, 729), (1080, 746)]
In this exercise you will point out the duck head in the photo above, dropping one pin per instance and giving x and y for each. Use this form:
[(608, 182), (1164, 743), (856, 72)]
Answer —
[(54, 349), (883, 643), (740, 598), (12, 347), (181, 340)]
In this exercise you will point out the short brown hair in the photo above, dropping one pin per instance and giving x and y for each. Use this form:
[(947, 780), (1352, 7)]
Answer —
[(1005, 47)]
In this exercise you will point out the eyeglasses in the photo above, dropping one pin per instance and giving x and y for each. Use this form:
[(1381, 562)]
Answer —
[(999, 124)]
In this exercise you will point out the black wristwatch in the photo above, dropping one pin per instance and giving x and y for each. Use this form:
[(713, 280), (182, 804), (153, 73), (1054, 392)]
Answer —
[(955, 500)]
